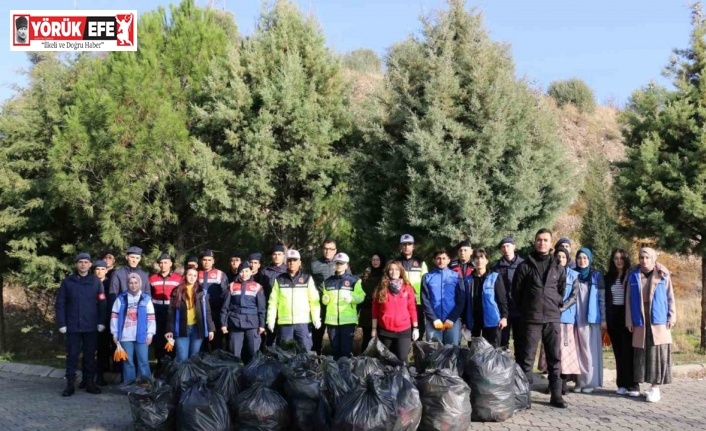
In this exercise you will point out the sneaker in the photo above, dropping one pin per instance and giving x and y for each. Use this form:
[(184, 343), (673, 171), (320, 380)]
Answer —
[(576, 389), (633, 393), (621, 391), (654, 396), (587, 390)]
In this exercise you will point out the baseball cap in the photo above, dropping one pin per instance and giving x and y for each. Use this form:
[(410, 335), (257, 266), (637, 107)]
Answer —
[(293, 254), (406, 238), (341, 257)]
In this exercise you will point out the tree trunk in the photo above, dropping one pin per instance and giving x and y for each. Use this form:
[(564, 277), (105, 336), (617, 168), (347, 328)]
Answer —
[(703, 303), (2, 314)]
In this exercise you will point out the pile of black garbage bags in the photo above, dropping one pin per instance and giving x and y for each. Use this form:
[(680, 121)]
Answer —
[(287, 388)]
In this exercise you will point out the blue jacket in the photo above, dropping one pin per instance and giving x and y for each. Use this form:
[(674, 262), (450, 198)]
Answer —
[(568, 307), (80, 304), (443, 295), (141, 317), (660, 300), (596, 298), (491, 311), (245, 306)]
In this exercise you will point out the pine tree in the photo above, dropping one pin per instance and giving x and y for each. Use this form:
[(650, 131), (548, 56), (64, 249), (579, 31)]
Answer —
[(464, 149), (600, 229), (298, 121), (662, 183)]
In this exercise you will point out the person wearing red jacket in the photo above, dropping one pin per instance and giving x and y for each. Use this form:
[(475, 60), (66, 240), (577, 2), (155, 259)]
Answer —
[(395, 311), (162, 285)]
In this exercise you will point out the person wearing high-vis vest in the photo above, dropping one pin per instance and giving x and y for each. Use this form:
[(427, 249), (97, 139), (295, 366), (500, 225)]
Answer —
[(590, 322), (485, 311), (415, 269), (162, 285), (341, 294), (133, 325), (190, 320), (294, 303), (443, 299), (651, 314), (215, 283), (243, 313)]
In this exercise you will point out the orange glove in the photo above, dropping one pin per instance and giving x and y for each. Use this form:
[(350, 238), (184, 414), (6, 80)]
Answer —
[(606, 339), (120, 354), (170, 345), (448, 324)]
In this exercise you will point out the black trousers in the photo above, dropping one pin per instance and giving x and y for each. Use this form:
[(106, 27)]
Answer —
[(81, 342), (422, 321), (317, 335), (367, 336), (161, 314), (621, 341), (513, 325), (492, 335), (399, 345), (550, 336), (105, 349)]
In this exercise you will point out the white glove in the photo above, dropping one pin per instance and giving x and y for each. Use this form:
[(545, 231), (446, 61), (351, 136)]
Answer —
[(317, 323), (62, 329), (466, 334), (415, 334), (271, 328), (101, 328), (325, 299)]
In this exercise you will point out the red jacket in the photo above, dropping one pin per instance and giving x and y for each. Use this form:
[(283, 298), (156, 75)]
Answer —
[(162, 287), (399, 312)]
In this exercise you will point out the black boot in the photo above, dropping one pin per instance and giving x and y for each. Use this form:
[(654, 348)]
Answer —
[(558, 401), (91, 387), (100, 381), (82, 385), (564, 388), (70, 389)]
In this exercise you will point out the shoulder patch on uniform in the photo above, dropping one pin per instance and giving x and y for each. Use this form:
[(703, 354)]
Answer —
[(301, 280), (415, 263), (101, 296), (346, 283)]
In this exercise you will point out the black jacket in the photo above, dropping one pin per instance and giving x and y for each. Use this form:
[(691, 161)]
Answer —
[(80, 303), (507, 272), (539, 299)]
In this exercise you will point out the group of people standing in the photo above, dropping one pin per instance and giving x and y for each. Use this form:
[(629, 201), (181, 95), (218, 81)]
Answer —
[(566, 304)]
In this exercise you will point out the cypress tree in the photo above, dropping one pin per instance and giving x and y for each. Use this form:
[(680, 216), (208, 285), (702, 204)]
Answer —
[(662, 183)]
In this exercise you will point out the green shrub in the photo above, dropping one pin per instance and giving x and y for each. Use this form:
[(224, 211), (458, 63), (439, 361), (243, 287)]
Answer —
[(573, 91)]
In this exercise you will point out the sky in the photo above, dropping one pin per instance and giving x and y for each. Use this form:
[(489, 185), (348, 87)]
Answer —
[(615, 46)]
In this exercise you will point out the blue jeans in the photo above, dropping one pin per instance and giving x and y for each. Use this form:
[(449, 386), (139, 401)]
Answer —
[(447, 336), (299, 332), (188, 346), (140, 350)]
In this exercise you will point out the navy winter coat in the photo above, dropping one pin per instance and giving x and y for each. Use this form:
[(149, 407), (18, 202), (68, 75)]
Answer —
[(80, 304)]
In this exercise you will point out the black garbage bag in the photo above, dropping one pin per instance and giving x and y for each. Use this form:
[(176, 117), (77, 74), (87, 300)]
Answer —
[(333, 388), (141, 385), (409, 406), (522, 390), (421, 350), (227, 383), (212, 363), (169, 368), (265, 370), (261, 409), (355, 370), (445, 400), (286, 350), (201, 409), (302, 389), (186, 375), (376, 349), (491, 375), (448, 357), (367, 407), (153, 410)]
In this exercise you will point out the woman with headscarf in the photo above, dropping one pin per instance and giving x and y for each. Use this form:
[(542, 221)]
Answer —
[(590, 322), (651, 313), (620, 337), (569, 356), (371, 279)]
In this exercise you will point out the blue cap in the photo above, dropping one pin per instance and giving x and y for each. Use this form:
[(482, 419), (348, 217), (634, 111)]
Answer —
[(244, 265), (99, 264), (192, 259), (464, 243), (238, 254), (506, 240), (278, 247), (164, 256), (255, 256), (134, 250), (82, 256)]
